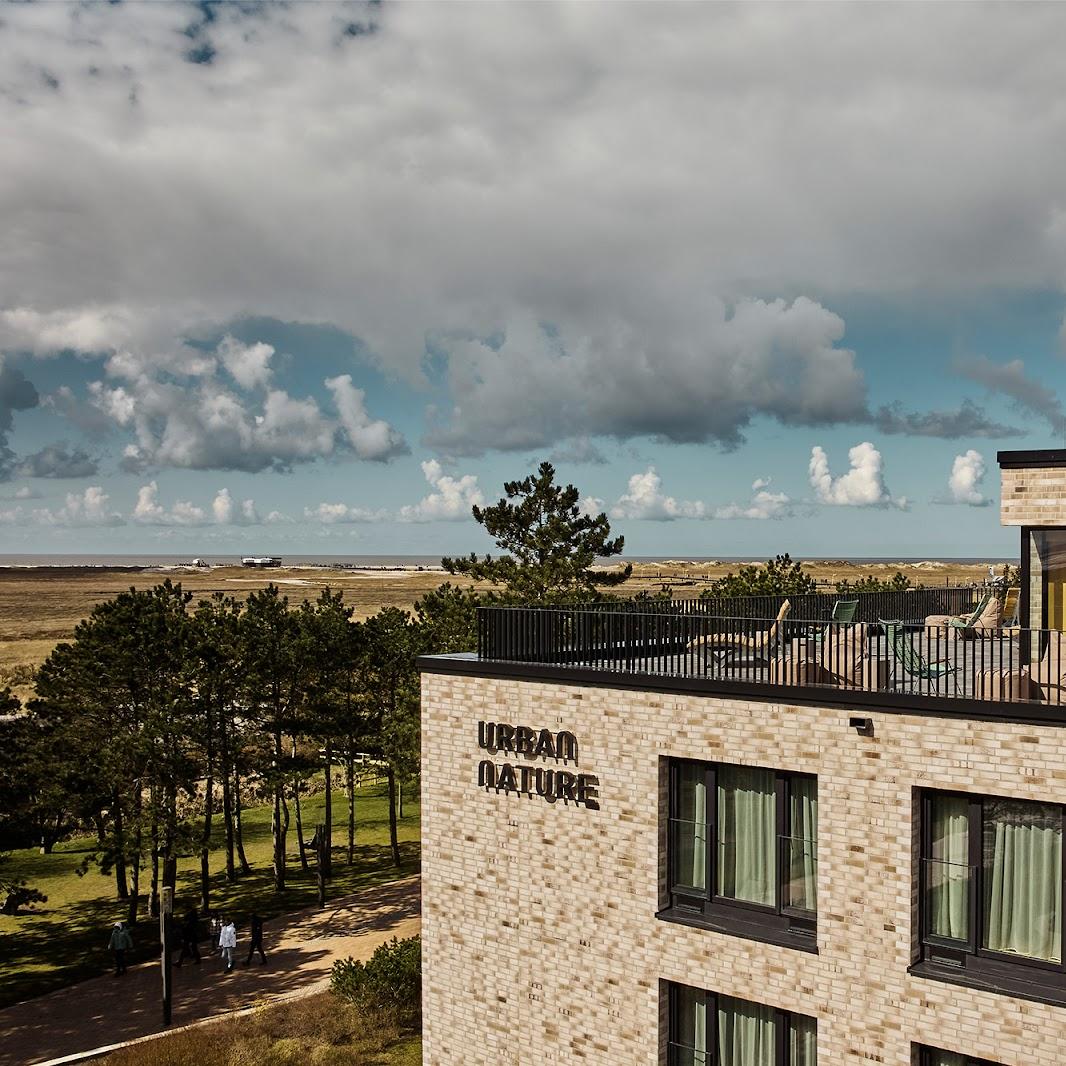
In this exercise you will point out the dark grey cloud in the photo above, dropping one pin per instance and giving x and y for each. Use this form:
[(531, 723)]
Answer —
[(1011, 380), (580, 451), (967, 420), (17, 393), (577, 164), (57, 460)]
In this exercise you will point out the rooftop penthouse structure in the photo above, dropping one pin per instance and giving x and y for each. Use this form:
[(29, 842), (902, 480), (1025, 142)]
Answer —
[(757, 832)]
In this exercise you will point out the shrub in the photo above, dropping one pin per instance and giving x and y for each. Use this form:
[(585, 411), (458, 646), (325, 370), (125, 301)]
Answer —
[(899, 582), (390, 981), (782, 575)]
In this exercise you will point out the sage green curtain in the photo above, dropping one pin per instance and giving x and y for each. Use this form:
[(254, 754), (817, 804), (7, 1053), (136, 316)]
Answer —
[(802, 1041), (802, 844), (690, 828), (948, 869), (746, 1033), (1023, 878), (691, 1047), (747, 835)]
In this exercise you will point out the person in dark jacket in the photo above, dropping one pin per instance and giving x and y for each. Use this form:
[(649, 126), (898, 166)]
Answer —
[(256, 931), (189, 933), (118, 945)]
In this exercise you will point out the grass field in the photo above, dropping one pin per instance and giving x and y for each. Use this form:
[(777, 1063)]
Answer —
[(320, 1030), (67, 939), (40, 607)]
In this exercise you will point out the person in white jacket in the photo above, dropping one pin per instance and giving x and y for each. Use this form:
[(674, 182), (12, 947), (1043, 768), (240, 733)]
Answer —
[(227, 941)]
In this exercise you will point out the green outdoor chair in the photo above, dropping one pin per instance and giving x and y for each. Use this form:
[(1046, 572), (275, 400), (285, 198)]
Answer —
[(910, 660), (966, 621), (843, 612)]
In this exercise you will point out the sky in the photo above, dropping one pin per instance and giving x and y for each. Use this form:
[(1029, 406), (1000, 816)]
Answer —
[(317, 278)]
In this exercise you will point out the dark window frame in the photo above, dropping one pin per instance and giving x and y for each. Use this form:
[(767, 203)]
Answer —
[(675, 1050), (969, 963), (926, 1053), (776, 924)]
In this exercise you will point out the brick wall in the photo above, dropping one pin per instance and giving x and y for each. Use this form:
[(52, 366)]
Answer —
[(540, 940), (1033, 497)]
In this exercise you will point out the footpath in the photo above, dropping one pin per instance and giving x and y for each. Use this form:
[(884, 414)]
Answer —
[(300, 948)]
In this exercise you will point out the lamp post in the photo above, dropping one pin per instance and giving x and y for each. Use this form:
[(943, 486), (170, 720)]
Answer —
[(166, 926)]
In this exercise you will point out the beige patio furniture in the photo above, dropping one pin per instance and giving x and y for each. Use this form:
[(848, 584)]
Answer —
[(754, 643), (842, 659), (1048, 676), (987, 616)]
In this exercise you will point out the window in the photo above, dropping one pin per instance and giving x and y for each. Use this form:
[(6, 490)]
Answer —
[(743, 850), (712, 1030), (992, 880), (929, 1056)]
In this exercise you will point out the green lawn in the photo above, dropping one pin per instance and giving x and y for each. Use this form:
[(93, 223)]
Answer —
[(67, 939)]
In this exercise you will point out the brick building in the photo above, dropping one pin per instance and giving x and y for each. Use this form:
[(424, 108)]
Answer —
[(664, 834)]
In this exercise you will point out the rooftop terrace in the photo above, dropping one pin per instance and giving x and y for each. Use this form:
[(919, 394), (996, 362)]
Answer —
[(922, 650)]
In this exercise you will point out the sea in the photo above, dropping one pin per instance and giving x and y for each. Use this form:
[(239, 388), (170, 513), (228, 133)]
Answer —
[(411, 561)]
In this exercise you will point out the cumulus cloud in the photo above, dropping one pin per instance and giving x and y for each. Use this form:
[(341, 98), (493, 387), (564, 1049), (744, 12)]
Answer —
[(737, 361), (149, 511), (966, 480), (369, 438), (862, 486), (91, 507), (451, 500), (57, 461), (474, 202), (247, 364), (1010, 380), (203, 423), (228, 512), (763, 504), (645, 499)]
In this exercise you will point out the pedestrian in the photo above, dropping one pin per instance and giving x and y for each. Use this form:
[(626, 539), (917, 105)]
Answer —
[(216, 929), (227, 941), (120, 943), (190, 936), (257, 941)]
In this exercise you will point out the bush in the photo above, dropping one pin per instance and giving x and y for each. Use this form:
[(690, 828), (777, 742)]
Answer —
[(390, 981), (782, 575), (899, 582)]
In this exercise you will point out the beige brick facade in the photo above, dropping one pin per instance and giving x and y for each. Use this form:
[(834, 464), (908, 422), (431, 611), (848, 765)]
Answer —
[(540, 937), (1033, 496)]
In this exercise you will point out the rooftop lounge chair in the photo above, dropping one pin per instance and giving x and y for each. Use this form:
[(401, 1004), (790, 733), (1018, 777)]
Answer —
[(754, 642), (910, 660), (843, 611), (986, 615), (841, 657)]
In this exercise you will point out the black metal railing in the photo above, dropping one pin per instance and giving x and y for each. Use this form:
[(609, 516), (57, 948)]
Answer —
[(946, 660)]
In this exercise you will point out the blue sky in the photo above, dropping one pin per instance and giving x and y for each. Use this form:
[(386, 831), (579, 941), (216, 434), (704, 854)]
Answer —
[(326, 289)]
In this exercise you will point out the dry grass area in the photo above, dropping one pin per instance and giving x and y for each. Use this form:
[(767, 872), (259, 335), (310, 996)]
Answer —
[(320, 1030), (40, 607)]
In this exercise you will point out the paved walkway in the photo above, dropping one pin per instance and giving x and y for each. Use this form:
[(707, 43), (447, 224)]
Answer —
[(300, 948)]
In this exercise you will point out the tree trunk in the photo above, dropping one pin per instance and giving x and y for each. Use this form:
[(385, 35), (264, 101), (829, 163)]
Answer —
[(153, 899), (238, 827), (120, 848), (399, 786), (327, 853), (393, 841), (205, 849), (276, 825), (227, 818), (300, 826), (135, 893)]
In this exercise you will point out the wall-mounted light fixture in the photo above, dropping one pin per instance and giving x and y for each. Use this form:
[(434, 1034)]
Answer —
[(863, 726)]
